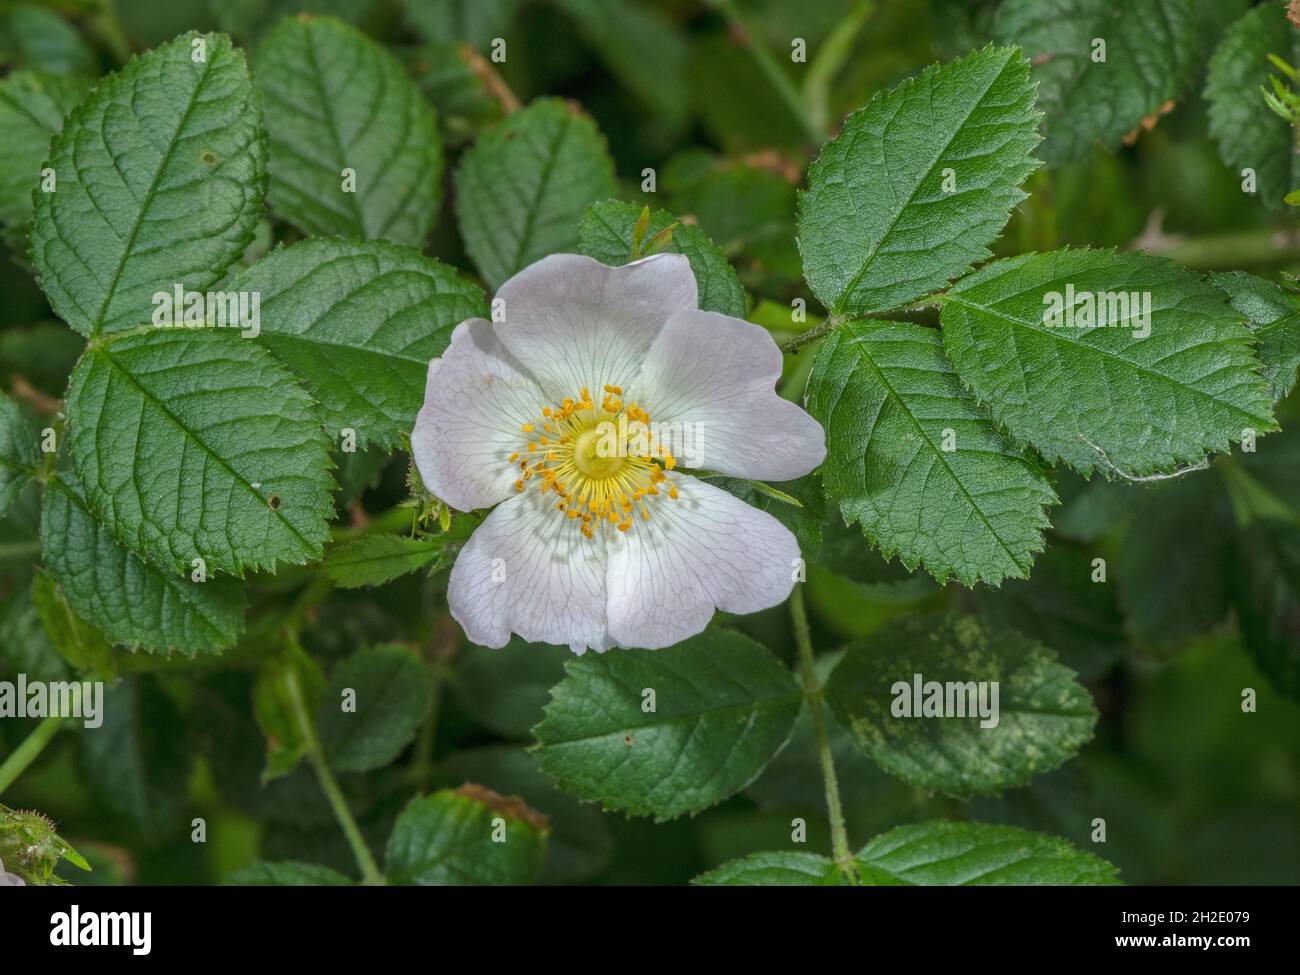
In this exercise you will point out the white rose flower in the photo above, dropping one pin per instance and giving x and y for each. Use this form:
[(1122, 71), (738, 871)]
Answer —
[(574, 419), (10, 879)]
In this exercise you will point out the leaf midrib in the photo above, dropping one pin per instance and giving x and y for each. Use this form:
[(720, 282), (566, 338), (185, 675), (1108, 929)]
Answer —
[(680, 719), (190, 435), (147, 201), (340, 154), (864, 355), (1064, 339)]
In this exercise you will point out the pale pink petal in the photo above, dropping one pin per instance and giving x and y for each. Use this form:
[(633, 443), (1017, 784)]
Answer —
[(706, 550), (574, 322), (475, 401), (529, 570), (713, 379)]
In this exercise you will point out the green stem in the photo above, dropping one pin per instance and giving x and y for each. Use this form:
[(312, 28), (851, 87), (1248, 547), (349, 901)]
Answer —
[(777, 77), (1261, 247), (812, 335), (370, 873), (835, 51), (813, 692), (106, 24), (27, 752)]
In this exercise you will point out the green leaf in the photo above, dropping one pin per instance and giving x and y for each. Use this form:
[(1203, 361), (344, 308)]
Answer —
[(1173, 583), (160, 174), (1043, 716), (947, 854), (337, 100), (1144, 393), (1249, 135), (43, 353), (1267, 594), (77, 642), (463, 102), (1091, 508), (877, 228), (288, 686), (507, 689), (475, 21), (606, 234), (137, 761), (1060, 606), (18, 456), (886, 395), (131, 601), (24, 646), (747, 211), (288, 873), (447, 838), (377, 700), (1273, 312), (32, 107), (1153, 48), (358, 322), (642, 49), (523, 186), (197, 444), (723, 706), (376, 559), (248, 19), (780, 869), (34, 36), (579, 844)]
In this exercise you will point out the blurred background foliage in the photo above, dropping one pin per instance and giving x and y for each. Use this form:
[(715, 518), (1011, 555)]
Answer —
[(1191, 789)]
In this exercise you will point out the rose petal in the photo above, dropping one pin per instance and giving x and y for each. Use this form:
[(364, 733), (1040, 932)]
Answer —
[(475, 401), (714, 379), (574, 322), (529, 570), (706, 550)]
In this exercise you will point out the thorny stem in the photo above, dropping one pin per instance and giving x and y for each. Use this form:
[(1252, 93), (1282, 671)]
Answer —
[(812, 335), (491, 78), (767, 64), (43, 404), (813, 691), (27, 752), (370, 874)]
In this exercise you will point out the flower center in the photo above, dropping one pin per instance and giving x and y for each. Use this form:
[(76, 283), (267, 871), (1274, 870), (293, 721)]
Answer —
[(603, 463)]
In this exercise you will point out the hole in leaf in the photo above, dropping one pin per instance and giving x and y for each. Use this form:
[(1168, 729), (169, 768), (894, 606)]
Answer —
[(274, 502)]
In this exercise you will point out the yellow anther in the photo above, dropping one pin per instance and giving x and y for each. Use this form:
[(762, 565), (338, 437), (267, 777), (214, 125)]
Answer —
[(601, 463)]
